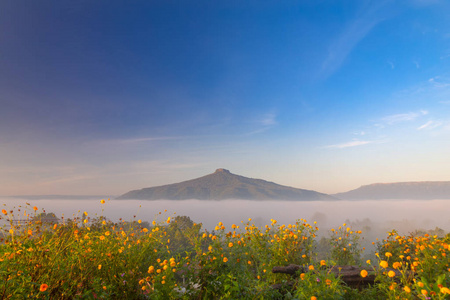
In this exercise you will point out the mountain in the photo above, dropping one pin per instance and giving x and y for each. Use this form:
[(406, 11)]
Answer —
[(224, 185), (424, 190)]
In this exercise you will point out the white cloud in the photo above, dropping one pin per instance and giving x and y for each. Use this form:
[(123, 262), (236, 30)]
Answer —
[(397, 118), (349, 144), (139, 140), (264, 122), (430, 125), (268, 120), (439, 82), (359, 133), (354, 32)]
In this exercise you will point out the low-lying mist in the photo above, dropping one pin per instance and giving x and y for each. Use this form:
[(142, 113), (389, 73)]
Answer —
[(375, 218)]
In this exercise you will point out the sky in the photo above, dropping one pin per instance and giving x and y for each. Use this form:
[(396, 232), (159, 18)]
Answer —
[(103, 97)]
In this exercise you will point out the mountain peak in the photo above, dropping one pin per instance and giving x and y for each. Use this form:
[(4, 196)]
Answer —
[(221, 185)]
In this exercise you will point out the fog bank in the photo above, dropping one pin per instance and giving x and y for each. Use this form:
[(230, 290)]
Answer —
[(402, 215)]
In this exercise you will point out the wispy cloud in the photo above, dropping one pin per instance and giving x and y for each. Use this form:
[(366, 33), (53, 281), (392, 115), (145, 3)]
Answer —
[(264, 123), (430, 125), (350, 144), (397, 118), (439, 82), (268, 119), (354, 32), (359, 133), (140, 140)]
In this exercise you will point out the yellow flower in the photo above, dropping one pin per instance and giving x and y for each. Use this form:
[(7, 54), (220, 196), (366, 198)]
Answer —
[(151, 269), (85, 213), (99, 267), (43, 287), (225, 259), (323, 263), (102, 201), (364, 273), (311, 267), (424, 292), (107, 233), (368, 261), (391, 274), (388, 254), (230, 244), (384, 264), (420, 284), (445, 290), (407, 289)]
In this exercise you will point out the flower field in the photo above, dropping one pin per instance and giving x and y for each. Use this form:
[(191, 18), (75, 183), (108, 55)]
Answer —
[(174, 258)]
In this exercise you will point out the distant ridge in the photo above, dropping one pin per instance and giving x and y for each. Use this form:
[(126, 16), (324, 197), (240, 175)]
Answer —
[(421, 190), (222, 185)]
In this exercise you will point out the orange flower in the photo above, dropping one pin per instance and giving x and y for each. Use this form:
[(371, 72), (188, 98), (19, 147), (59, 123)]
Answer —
[(225, 259), (384, 264), (35, 208), (4, 211), (313, 298), (102, 201), (391, 274), (43, 287), (364, 273)]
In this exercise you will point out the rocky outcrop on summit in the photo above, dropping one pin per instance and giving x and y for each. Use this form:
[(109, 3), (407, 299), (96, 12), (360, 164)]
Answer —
[(422, 190), (223, 185)]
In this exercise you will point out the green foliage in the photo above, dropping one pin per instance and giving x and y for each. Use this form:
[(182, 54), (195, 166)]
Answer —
[(94, 258)]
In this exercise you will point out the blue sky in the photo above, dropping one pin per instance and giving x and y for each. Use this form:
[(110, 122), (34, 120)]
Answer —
[(101, 97)]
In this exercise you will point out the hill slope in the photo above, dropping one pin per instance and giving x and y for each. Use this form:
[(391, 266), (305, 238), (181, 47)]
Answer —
[(424, 190), (224, 185)]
